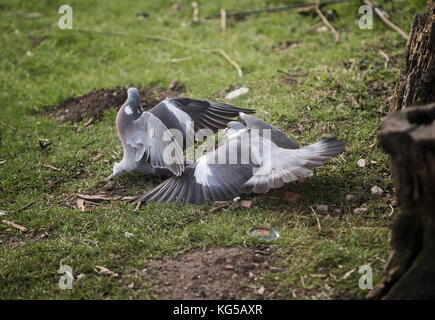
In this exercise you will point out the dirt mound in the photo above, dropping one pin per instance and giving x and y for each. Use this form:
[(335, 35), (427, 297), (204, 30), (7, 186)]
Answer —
[(93, 105), (219, 273)]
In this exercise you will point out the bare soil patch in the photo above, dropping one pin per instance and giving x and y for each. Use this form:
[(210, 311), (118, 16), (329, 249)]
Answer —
[(94, 104), (213, 273), (12, 240)]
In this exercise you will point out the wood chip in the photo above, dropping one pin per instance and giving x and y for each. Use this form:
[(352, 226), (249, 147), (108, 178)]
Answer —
[(14, 225)]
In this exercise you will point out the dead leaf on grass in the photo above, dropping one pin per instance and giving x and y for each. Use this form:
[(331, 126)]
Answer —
[(106, 271)]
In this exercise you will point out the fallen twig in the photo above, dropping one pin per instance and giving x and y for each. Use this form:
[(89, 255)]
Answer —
[(385, 19), (220, 51), (51, 167), (317, 219), (102, 197), (14, 225), (223, 21), (224, 54), (195, 17), (325, 21), (289, 7), (387, 58), (25, 207), (179, 59)]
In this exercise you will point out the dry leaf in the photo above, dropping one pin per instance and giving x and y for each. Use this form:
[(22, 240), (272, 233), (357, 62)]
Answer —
[(81, 204), (246, 203), (105, 271), (261, 290), (376, 191), (347, 274)]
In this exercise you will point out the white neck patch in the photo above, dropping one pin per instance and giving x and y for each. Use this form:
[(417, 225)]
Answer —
[(128, 110)]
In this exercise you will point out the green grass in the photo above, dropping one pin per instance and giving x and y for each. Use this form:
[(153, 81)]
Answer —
[(69, 63)]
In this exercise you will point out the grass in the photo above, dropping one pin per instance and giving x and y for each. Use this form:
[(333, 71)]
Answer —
[(69, 63)]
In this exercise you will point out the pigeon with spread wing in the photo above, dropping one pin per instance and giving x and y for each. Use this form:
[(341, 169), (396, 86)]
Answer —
[(153, 141), (246, 163)]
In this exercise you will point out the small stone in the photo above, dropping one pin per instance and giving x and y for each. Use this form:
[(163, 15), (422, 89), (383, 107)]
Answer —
[(361, 163), (376, 191), (261, 290), (237, 93), (349, 198)]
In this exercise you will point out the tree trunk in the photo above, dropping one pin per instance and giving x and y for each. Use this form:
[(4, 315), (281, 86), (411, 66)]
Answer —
[(409, 138), (416, 84)]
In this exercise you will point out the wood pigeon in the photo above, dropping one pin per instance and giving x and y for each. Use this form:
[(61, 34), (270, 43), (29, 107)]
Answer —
[(246, 163), (146, 139)]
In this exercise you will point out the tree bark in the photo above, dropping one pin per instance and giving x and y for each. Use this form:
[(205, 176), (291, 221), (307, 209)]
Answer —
[(416, 84), (409, 138)]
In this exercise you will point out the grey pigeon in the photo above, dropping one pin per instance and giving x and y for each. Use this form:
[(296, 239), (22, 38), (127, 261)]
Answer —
[(145, 136), (268, 166), (277, 136)]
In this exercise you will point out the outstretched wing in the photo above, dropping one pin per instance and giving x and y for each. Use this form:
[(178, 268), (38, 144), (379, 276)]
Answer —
[(200, 184), (211, 115), (288, 165), (152, 140), (214, 177), (277, 136)]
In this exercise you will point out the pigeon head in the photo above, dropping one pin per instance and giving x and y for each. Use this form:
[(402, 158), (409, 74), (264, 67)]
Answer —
[(132, 105), (234, 127), (129, 112)]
